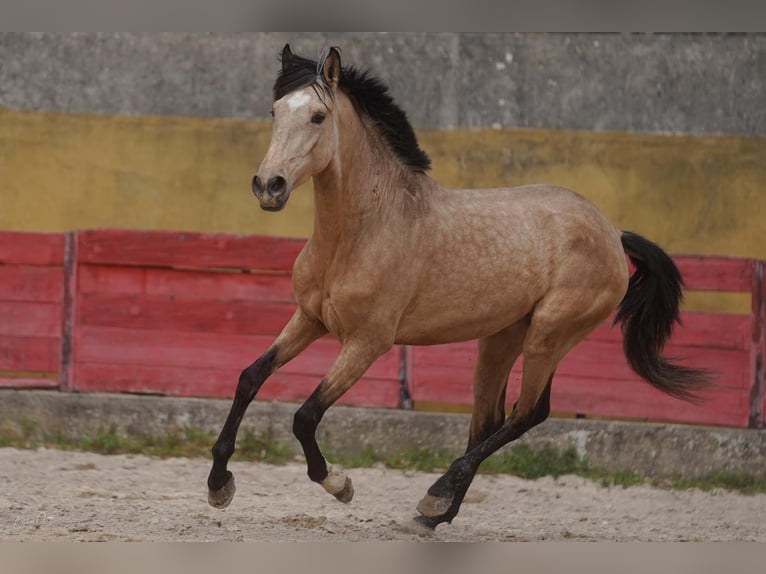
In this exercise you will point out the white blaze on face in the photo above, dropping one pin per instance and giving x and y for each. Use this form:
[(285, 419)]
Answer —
[(297, 100)]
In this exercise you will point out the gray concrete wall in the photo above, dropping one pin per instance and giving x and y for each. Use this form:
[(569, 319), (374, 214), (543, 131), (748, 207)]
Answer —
[(654, 450), (698, 83)]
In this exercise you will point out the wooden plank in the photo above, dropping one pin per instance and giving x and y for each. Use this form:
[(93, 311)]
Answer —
[(185, 284), (697, 329), (22, 319), (594, 360), (38, 354), (182, 381), (26, 283), (633, 399), (174, 249), (27, 382), (163, 313), (709, 273), (600, 355), (22, 248), (454, 355), (368, 392), (599, 360), (203, 350), (639, 401), (444, 374)]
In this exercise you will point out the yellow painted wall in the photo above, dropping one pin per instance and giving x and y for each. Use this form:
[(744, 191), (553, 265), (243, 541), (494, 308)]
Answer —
[(61, 172), (694, 195)]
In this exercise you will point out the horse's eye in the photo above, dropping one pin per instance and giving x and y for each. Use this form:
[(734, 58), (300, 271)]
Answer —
[(317, 118)]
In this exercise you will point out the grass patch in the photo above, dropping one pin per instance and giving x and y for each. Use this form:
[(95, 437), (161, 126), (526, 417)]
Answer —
[(18, 436), (261, 447), (182, 441), (526, 462), (743, 483), (521, 460), (412, 458), (623, 478)]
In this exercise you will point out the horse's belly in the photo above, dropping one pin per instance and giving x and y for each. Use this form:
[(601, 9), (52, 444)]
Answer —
[(458, 322)]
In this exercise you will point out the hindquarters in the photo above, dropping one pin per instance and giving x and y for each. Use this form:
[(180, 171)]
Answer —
[(587, 280), (581, 295)]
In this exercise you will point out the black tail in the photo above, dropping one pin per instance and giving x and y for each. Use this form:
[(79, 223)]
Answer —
[(647, 314)]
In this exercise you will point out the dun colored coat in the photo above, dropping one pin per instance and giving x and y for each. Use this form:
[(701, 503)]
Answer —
[(396, 258)]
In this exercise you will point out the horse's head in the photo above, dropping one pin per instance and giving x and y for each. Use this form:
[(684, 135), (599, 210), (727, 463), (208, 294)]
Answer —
[(304, 130)]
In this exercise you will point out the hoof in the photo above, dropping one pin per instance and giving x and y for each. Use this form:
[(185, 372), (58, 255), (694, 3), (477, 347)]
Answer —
[(222, 497), (432, 506), (347, 493), (338, 484)]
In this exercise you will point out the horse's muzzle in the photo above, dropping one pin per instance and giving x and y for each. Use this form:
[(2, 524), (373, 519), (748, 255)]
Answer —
[(273, 195)]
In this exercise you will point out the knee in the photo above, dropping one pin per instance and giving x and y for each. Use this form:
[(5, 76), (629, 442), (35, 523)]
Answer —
[(247, 386), (251, 378)]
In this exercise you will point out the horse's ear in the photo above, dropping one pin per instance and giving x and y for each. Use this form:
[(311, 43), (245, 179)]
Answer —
[(331, 68), (287, 58)]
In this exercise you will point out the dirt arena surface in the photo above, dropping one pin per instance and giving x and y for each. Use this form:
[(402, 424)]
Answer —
[(52, 495)]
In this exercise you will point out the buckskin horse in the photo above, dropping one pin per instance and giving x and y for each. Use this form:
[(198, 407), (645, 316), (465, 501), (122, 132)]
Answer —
[(397, 259)]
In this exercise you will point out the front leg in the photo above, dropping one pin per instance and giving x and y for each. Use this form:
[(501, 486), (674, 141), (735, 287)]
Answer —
[(298, 334), (354, 359)]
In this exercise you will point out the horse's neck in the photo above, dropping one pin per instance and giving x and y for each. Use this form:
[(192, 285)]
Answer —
[(361, 188)]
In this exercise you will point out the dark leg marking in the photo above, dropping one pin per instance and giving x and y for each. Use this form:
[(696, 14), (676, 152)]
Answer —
[(445, 496), (490, 426), (305, 423), (220, 481)]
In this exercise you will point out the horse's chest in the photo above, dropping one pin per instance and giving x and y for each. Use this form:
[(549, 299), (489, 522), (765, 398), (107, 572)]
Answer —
[(308, 293), (316, 303), (313, 298)]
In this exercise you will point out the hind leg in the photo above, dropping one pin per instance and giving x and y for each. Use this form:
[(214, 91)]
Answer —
[(442, 501), (554, 329), (496, 357)]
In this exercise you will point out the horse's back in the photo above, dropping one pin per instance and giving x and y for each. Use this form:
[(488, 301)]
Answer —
[(537, 224), (493, 254)]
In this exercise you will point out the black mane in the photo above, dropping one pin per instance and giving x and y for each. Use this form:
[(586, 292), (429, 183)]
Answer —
[(369, 96)]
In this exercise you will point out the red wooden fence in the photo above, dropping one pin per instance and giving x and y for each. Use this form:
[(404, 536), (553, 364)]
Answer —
[(182, 313), (31, 309)]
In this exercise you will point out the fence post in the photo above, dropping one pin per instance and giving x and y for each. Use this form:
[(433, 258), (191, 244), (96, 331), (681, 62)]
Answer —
[(758, 348), (405, 397), (69, 311)]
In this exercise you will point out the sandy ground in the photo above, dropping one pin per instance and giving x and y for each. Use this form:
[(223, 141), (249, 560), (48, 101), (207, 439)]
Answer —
[(54, 495)]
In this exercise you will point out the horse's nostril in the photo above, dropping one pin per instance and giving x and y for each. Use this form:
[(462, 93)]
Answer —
[(277, 185), (257, 185)]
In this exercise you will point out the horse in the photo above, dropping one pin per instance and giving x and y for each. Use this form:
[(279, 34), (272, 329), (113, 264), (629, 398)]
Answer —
[(396, 258)]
